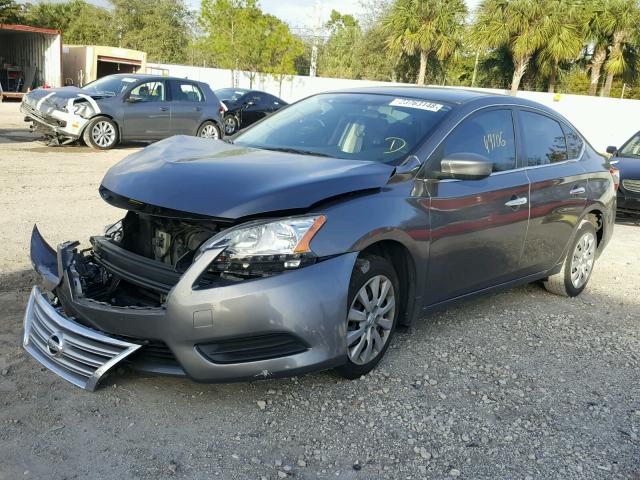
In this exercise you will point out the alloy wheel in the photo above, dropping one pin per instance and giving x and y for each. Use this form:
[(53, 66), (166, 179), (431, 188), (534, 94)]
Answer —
[(370, 320), (230, 125), (209, 131), (582, 259), (103, 134)]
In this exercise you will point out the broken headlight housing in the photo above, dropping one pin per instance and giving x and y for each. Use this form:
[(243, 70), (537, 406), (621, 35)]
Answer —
[(264, 248)]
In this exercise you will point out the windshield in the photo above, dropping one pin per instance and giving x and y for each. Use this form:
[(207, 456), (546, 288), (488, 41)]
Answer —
[(353, 126), (229, 94), (111, 85), (632, 148)]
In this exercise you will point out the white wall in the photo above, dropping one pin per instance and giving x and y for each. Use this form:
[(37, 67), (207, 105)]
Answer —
[(603, 121)]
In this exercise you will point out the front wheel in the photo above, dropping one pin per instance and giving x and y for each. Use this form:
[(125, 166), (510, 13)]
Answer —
[(372, 315), (578, 265), (101, 133), (209, 130)]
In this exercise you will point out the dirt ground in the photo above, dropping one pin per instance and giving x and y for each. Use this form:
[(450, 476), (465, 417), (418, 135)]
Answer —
[(519, 385)]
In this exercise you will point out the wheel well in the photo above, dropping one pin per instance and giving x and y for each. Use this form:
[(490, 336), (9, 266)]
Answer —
[(595, 217), (403, 263)]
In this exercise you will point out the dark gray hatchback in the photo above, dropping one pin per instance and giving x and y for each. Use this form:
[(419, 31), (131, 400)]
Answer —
[(125, 107), (304, 243)]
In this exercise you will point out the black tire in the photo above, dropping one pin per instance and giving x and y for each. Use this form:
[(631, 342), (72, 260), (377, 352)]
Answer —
[(108, 139), (562, 283), (209, 129), (366, 270), (231, 124)]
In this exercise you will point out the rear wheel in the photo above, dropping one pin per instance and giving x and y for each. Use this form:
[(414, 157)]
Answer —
[(209, 130), (101, 133), (578, 265), (231, 124), (372, 315)]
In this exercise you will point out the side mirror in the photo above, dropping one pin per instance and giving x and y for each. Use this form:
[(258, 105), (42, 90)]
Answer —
[(611, 150), (465, 166), (248, 104)]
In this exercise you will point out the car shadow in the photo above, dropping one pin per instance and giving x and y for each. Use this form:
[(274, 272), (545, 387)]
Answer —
[(17, 135), (630, 220)]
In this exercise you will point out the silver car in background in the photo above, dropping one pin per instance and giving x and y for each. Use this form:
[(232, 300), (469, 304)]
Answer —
[(124, 107)]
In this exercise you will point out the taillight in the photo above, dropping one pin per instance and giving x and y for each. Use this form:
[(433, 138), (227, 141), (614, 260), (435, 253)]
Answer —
[(223, 108), (615, 174)]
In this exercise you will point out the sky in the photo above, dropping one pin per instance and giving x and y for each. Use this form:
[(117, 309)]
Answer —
[(301, 13)]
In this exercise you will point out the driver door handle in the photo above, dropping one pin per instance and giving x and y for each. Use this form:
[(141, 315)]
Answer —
[(516, 202), (164, 109)]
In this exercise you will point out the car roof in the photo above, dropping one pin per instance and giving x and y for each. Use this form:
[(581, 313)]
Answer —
[(149, 76), (452, 95), (437, 94)]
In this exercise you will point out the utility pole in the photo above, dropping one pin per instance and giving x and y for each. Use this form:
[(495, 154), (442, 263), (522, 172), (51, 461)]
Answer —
[(317, 30)]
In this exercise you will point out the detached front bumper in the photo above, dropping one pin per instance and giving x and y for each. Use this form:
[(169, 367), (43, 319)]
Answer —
[(55, 122), (284, 325)]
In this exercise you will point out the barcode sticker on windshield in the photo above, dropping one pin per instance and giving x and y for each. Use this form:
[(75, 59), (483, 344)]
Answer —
[(420, 104)]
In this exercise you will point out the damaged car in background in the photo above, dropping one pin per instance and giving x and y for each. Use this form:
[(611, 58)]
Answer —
[(304, 243), (124, 107)]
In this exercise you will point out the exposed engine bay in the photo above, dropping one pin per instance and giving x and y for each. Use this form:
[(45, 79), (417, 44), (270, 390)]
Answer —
[(139, 259), (167, 240)]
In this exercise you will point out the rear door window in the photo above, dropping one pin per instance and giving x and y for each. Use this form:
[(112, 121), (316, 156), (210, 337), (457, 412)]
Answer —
[(489, 134), (574, 142), (544, 139), (186, 92)]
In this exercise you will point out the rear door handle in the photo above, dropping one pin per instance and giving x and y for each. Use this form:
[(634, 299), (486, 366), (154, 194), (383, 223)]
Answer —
[(164, 109), (198, 109), (577, 190), (516, 202)]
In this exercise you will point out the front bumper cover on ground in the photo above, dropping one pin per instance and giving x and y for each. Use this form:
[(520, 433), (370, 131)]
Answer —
[(283, 325)]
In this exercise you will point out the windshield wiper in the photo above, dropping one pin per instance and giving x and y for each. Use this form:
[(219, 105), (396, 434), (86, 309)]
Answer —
[(296, 150)]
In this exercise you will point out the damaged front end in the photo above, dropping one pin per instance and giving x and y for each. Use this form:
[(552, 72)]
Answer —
[(59, 114), (120, 276), (161, 293)]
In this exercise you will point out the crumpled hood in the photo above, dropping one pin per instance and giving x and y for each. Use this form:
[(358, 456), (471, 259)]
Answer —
[(55, 97), (629, 167), (217, 179)]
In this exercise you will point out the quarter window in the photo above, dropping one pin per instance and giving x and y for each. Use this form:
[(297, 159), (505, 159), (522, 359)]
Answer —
[(489, 134), (574, 142), (544, 139), (186, 92)]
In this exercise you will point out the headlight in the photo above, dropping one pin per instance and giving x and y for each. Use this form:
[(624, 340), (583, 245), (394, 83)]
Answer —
[(265, 248)]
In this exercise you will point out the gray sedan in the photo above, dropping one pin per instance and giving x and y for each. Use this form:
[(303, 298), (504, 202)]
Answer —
[(125, 107), (303, 244)]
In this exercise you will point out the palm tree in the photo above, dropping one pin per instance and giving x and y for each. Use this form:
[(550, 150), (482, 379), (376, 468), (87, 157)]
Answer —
[(623, 24), (598, 24), (520, 25), (425, 27), (565, 41)]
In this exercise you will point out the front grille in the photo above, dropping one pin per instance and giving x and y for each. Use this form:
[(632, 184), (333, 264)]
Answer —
[(631, 185), (78, 354), (252, 349)]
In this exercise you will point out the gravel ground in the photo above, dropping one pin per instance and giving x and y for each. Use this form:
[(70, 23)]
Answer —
[(519, 385)]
